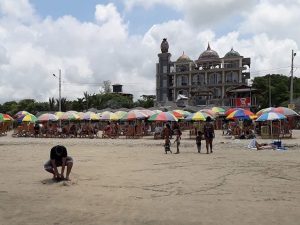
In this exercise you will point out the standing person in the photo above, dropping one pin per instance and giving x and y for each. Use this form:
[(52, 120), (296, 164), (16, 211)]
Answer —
[(198, 141), (167, 133), (59, 157), (177, 140), (209, 134)]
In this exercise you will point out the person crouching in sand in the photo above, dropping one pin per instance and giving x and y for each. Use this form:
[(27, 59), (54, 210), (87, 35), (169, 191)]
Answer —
[(59, 157)]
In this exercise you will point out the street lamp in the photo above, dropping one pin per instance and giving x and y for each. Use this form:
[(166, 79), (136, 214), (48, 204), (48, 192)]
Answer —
[(59, 89), (292, 78)]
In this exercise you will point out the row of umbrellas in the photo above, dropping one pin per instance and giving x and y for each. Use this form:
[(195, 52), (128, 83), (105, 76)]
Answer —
[(156, 115)]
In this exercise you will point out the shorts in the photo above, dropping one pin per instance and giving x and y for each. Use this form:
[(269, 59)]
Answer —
[(48, 164)]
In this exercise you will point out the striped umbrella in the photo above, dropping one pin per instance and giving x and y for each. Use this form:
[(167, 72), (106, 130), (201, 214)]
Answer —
[(134, 115), (198, 116), (47, 117), (260, 112), (59, 114), (5, 118), (21, 114), (108, 116), (231, 110), (241, 114), (209, 111), (218, 110), (268, 116), (69, 116), (163, 117), (88, 116), (27, 118)]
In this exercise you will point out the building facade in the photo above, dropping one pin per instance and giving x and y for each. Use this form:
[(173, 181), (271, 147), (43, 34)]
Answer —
[(204, 81)]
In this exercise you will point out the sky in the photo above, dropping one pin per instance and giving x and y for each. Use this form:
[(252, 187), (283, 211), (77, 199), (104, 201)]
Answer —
[(91, 41)]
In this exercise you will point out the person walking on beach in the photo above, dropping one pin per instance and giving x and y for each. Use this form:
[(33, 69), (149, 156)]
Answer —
[(177, 140), (209, 134), (167, 133), (59, 157), (198, 141)]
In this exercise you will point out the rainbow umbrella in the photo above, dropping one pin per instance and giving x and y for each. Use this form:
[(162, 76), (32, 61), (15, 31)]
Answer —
[(209, 111), (285, 111), (88, 116), (198, 116), (241, 114), (5, 118), (120, 114), (269, 116), (21, 114), (180, 113), (108, 116), (147, 112), (231, 110), (58, 114), (69, 116), (47, 117), (218, 110), (260, 112), (27, 118), (134, 115), (163, 117)]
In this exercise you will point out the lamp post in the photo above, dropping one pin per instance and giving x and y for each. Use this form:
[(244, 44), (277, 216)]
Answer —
[(59, 89), (292, 78)]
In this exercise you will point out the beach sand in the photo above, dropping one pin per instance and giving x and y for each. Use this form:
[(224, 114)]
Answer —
[(125, 181)]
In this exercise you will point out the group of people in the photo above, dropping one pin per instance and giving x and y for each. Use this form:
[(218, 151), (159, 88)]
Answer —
[(208, 135), (59, 156)]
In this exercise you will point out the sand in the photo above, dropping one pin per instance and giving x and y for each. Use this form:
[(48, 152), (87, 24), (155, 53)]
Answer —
[(125, 181)]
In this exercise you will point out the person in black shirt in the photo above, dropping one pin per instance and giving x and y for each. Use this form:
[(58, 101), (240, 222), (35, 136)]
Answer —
[(59, 157)]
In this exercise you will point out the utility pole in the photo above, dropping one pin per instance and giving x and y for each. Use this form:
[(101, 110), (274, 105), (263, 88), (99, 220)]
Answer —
[(59, 89), (292, 78), (270, 94)]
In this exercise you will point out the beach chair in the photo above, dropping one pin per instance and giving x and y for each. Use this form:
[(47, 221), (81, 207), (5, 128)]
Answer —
[(130, 132)]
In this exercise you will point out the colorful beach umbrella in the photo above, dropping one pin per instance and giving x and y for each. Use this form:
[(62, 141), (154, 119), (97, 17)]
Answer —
[(198, 116), (88, 116), (47, 117), (269, 116), (108, 116), (230, 110), (163, 117), (241, 114), (27, 118), (59, 114), (5, 117), (70, 116), (209, 111), (21, 114), (134, 115), (218, 110), (285, 111)]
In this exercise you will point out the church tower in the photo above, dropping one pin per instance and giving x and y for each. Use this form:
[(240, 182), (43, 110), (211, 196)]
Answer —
[(162, 72)]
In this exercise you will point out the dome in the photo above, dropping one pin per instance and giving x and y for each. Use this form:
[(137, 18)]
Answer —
[(232, 53), (164, 46), (184, 58), (209, 54)]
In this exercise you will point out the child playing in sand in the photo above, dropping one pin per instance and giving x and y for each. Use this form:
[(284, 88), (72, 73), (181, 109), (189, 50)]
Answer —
[(177, 140), (198, 141)]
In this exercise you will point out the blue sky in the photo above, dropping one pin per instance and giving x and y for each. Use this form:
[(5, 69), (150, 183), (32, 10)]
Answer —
[(140, 18)]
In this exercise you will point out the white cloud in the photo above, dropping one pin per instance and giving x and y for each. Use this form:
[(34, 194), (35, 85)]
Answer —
[(91, 52)]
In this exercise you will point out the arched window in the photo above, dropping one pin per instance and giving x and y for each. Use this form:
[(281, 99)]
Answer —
[(214, 78), (198, 79)]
